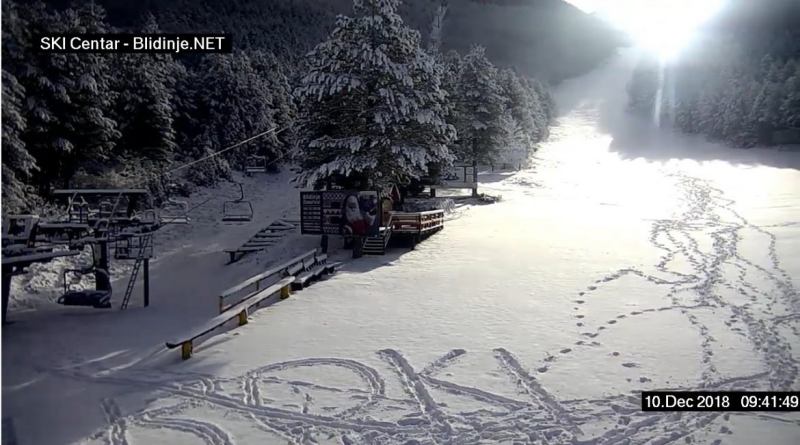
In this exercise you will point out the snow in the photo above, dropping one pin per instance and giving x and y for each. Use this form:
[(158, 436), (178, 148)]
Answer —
[(625, 259)]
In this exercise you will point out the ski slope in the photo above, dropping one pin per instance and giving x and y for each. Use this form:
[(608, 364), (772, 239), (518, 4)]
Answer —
[(626, 259)]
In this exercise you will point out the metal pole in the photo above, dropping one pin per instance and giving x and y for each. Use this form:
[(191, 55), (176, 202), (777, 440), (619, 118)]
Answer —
[(103, 281), (146, 282), (6, 289)]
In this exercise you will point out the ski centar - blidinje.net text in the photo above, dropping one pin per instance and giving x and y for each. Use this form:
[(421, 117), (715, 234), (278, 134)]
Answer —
[(134, 43)]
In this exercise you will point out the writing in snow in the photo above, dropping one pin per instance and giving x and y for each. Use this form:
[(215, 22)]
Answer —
[(135, 43)]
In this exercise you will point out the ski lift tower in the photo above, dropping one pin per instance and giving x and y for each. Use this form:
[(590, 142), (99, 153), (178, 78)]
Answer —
[(121, 214)]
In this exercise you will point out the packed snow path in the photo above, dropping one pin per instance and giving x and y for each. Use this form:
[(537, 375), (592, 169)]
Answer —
[(625, 260)]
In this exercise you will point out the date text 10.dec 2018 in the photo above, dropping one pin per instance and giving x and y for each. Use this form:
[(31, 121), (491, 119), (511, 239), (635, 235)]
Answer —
[(721, 401)]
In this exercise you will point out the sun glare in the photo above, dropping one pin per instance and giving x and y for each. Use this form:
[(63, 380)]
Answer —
[(663, 27)]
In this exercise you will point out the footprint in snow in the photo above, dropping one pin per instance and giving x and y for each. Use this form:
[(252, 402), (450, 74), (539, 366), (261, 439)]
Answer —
[(590, 334), (592, 287), (630, 365), (565, 351), (543, 369), (615, 354), (580, 301), (612, 321), (579, 316), (621, 316)]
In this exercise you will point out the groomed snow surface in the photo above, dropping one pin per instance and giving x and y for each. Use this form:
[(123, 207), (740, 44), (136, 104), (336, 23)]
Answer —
[(625, 260)]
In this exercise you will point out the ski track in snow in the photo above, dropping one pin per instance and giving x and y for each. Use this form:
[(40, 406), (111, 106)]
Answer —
[(706, 234)]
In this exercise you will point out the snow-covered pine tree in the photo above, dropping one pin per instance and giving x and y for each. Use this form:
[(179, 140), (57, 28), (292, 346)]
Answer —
[(18, 164), (484, 106), (518, 105), (143, 100), (66, 99), (538, 109), (451, 64), (235, 104), (547, 101), (790, 108), (270, 68), (89, 129), (371, 105)]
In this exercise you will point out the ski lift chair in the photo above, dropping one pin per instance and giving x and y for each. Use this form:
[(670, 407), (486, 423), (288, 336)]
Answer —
[(255, 164), (99, 299), (147, 217), (174, 212), (105, 209), (237, 210), (20, 229), (78, 210)]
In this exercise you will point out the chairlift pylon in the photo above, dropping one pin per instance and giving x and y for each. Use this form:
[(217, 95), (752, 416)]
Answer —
[(237, 210)]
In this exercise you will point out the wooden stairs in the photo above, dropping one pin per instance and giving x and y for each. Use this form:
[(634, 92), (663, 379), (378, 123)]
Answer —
[(376, 245), (266, 237)]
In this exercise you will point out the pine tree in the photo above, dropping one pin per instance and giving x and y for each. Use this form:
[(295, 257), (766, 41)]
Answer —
[(790, 108), (235, 104), (371, 104), (67, 97), (18, 164), (484, 107), (272, 70), (143, 99)]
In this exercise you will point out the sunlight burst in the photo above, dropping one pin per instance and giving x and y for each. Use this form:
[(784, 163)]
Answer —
[(660, 26)]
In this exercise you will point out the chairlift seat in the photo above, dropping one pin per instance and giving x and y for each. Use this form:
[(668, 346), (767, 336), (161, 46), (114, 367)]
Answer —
[(174, 219), (237, 218), (174, 212), (245, 209), (86, 298)]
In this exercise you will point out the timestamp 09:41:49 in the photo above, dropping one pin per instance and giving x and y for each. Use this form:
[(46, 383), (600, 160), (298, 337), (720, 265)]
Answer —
[(720, 401)]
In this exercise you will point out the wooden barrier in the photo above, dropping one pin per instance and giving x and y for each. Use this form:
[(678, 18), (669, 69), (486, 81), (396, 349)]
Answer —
[(241, 312), (254, 284), (417, 223), (293, 274)]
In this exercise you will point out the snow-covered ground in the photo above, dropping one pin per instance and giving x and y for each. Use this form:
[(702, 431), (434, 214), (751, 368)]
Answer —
[(626, 260)]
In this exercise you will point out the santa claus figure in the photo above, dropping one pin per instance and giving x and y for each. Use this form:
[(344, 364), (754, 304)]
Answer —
[(357, 221)]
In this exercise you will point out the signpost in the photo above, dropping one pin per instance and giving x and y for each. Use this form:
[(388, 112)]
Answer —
[(460, 176), (516, 156)]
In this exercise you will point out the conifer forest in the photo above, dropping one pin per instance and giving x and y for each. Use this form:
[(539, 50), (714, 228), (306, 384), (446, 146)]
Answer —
[(382, 88)]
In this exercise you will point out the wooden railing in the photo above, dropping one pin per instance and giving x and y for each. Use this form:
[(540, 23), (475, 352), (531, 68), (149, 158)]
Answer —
[(417, 222)]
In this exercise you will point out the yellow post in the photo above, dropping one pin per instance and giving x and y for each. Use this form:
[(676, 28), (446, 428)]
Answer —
[(221, 305), (285, 292), (186, 350), (243, 317)]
